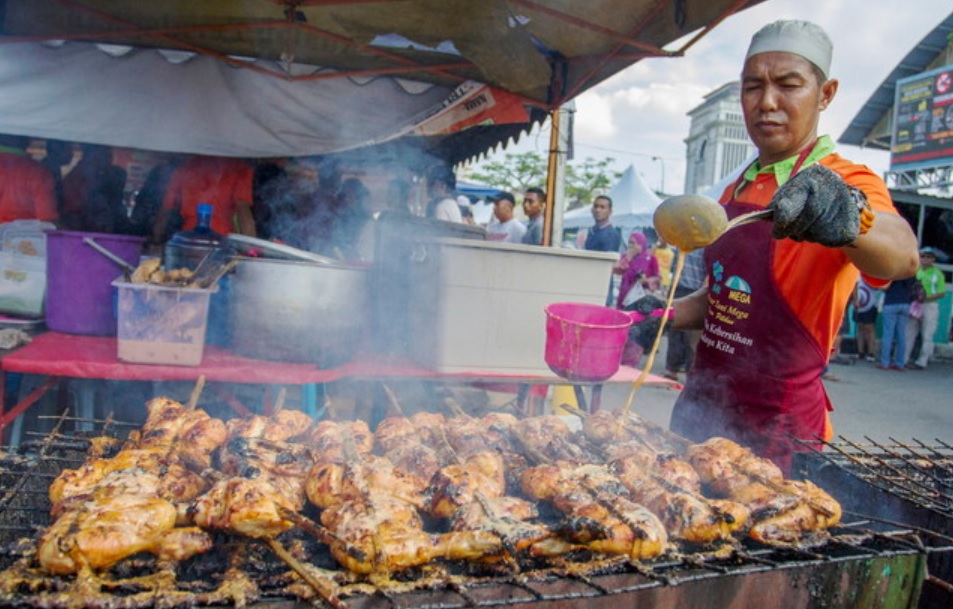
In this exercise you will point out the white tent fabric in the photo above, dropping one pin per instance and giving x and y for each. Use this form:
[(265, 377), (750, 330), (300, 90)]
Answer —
[(144, 99), (482, 212), (715, 190), (633, 204)]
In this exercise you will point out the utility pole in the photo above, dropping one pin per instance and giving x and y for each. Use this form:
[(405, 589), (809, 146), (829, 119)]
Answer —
[(662, 183)]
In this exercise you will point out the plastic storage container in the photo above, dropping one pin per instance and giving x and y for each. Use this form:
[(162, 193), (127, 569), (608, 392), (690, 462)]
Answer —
[(79, 294), (23, 267), (160, 324), (491, 298), (406, 281)]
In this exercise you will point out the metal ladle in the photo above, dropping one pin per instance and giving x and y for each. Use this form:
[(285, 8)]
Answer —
[(690, 222), (127, 268)]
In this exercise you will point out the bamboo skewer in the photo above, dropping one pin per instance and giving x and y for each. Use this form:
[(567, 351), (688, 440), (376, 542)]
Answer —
[(679, 264), (196, 393), (326, 590)]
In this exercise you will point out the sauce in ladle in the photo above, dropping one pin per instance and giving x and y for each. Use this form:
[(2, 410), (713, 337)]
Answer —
[(688, 222)]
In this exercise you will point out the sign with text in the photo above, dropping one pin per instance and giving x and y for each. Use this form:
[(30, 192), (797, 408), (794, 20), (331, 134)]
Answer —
[(923, 121)]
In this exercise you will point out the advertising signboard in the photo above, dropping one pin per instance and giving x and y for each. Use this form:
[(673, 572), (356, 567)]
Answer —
[(923, 121)]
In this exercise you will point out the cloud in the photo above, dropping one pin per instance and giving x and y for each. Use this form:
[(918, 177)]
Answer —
[(594, 116), (639, 115)]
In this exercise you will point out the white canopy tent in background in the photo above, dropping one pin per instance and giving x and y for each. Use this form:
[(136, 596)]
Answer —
[(633, 204)]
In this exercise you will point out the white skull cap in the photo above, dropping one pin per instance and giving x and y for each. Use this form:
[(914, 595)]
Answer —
[(801, 38)]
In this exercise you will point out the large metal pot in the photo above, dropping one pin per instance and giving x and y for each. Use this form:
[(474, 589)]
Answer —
[(297, 311)]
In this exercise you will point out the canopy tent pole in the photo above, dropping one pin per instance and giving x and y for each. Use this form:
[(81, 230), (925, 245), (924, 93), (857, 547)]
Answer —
[(560, 133)]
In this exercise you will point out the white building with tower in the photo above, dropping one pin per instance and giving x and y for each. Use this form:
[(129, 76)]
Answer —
[(717, 141)]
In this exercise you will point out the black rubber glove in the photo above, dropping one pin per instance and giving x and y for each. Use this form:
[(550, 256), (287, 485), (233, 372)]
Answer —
[(643, 332), (817, 205)]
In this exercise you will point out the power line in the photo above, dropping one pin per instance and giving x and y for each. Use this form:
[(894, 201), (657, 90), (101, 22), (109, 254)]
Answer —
[(646, 155)]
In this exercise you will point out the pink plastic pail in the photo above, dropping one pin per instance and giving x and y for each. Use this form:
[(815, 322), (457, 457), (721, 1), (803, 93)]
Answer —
[(584, 342), (79, 291)]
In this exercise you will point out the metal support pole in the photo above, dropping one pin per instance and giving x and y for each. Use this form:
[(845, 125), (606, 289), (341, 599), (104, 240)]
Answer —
[(556, 174)]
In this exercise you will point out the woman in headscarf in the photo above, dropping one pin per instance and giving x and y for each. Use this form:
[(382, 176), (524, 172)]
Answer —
[(639, 270)]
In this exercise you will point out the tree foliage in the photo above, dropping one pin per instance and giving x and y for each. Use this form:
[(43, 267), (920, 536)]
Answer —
[(589, 178), (516, 172)]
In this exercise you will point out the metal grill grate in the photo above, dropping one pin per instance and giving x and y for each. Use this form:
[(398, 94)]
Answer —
[(915, 471), (240, 571)]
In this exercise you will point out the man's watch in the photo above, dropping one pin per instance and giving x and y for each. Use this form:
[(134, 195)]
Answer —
[(866, 213)]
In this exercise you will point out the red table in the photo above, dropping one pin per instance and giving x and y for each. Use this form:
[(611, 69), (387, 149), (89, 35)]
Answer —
[(94, 357)]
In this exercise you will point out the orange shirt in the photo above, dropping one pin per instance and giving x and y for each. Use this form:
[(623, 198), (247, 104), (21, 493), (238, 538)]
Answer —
[(27, 189), (221, 182), (819, 305)]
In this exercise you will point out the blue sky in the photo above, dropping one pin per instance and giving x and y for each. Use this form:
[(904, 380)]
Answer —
[(641, 112)]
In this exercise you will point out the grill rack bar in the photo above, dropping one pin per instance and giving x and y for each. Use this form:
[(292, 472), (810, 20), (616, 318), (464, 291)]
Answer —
[(921, 473)]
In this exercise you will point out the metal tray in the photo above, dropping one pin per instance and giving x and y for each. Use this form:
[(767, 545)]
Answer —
[(260, 248)]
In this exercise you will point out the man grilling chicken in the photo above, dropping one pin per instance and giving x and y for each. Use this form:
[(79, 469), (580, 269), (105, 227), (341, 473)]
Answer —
[(777, 291)]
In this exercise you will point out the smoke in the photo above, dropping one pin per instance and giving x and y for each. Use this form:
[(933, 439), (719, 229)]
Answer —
[(327, 205)]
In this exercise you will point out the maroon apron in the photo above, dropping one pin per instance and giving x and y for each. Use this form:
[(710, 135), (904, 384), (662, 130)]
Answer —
[(757, 372)]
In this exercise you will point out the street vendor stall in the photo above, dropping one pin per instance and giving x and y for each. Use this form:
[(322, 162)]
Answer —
[(434, 506)]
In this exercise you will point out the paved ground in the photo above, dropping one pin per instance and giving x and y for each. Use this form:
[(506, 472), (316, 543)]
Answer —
[(868, 402)]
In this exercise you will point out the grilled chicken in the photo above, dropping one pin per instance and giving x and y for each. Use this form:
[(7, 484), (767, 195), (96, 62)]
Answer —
[(781, 510), (327, 440), (191, 433), (394, 432), (599, 516), (120, 517), (457, 485), (418, 459), (170, 436), (507, 517), (266, 478), (686, 515), (725, 465), (280, 427), (282, 465), (815, 510), (386, 535), (329, 484), (610, 427), (398, 440), (253, 508), (549, 438)]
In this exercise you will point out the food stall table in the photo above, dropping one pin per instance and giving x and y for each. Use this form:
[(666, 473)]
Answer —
[(65, 356)]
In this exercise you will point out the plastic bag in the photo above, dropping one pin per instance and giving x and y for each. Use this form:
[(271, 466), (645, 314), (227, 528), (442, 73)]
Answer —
[(916, 310)]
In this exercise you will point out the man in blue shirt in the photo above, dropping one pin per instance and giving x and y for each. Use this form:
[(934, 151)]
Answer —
[(603, 237)]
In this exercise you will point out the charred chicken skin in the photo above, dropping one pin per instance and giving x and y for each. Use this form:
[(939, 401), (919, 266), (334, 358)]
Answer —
[(507, 517), (599, 516), (327, 440), (457, 485), (121, 516), (265, 480), (686, 515), (170, 435), (280, 427), (385, 535), (111, 508), (329, 484), (253, 508), (781, 510)]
